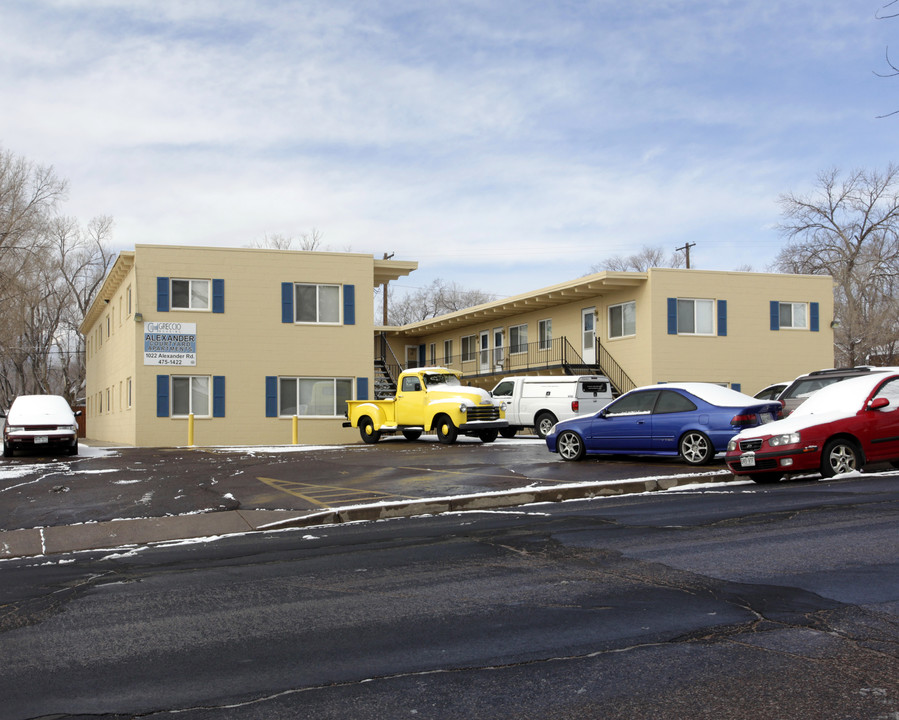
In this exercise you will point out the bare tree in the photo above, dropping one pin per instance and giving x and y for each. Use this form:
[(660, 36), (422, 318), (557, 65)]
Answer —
[(50, 271), (849, 229), (647, 257), (305, 241), (439, 298), (887, 11)]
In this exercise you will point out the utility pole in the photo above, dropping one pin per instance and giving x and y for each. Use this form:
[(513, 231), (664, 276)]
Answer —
[(386, 257), (686, 247)]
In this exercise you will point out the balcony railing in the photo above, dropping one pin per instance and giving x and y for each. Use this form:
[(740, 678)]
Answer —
[(558, 354)]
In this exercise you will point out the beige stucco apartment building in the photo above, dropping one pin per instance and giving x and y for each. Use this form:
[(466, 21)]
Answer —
[(244, 340)]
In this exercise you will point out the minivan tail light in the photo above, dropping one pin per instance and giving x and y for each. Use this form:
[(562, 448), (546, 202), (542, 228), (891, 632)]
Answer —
[(575, 405)]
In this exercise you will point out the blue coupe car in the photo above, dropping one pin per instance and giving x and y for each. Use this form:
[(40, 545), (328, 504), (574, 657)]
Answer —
[(692, 420)]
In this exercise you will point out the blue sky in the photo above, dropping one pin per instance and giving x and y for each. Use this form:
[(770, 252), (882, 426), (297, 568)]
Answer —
[(503, 144)]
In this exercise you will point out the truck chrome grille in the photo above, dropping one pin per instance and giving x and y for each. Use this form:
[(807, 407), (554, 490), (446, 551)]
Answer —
[(483, 412)]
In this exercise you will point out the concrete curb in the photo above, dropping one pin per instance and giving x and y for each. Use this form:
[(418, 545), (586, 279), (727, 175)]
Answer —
[(129, 533)]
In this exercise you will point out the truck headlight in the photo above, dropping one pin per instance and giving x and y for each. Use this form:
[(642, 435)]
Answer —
[(463, 408), (785, 439)]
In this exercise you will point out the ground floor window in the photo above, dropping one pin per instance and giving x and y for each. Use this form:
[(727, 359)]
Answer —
[(320, 397), (190, 395)]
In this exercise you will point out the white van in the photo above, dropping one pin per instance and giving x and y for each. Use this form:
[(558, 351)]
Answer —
[(541, 401)]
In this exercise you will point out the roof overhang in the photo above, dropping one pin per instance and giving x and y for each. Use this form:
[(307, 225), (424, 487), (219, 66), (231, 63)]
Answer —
[(122, 266), (387, 270), (589, 286)]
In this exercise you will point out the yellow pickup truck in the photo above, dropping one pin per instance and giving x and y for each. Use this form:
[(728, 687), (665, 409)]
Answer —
[(429, 400)]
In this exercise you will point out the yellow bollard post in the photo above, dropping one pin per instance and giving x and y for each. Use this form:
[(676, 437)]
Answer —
[(190, 430), (296, 430)]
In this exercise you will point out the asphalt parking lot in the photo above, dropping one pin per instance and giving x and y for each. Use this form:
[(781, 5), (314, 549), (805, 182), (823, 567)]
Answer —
[(259, 486)]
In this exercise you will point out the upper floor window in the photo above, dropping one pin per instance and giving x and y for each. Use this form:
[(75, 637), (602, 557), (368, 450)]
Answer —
[(317, 303), (545, 334), (447, 351), (623, 320), (793, 315), (190, 295), (518, 338), (695, 317), (469, 347)]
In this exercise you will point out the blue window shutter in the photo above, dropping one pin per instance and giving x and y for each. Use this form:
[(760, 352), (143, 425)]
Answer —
[(722, 317), (672, 316), (349, 304), (813, 313), (422, 357), (736, 386), (287, 302), (218, 396), (218, 296), (362, 388), (162, 294), (271, 396), (775, 315), (162, 396)]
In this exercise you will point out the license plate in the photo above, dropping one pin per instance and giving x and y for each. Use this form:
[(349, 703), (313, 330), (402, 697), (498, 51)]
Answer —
[(40, 439), (747, 460)]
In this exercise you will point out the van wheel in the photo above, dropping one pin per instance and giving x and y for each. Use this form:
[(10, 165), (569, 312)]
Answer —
[(411, 434), (367, 430), (446, 430), (508, 432), (544, 423)]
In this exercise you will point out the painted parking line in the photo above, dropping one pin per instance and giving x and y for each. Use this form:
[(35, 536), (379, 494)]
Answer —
[(330, 495)]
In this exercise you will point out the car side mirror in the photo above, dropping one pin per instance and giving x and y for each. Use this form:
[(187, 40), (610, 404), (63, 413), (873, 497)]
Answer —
[(878, 403)]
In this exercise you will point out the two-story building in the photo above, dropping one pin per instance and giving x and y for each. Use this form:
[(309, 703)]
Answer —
[(243, 340), (249, 346)]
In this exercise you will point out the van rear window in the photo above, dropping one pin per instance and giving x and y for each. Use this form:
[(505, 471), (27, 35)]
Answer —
[(594, 387)]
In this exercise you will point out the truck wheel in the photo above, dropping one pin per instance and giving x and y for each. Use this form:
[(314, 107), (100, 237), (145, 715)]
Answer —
[(446, 431), (411, 434), (367, 430), (544, 423), (508, 432), (488, 436)]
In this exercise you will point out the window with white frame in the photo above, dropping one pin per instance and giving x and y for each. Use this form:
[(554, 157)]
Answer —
[(469, 347), (447, 351), (695, 317), (317, 303), (313, 396), (190, 294), (623, 320), (545, 334), (190, 395), (518, 339), (794, 315), (432, 353)]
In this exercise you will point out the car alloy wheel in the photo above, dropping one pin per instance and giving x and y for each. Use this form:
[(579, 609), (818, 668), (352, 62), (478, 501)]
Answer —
[(570, 446), (696, 448), (840, 457)]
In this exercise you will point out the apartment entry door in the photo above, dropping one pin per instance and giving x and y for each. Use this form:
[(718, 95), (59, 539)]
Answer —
[(588, 333), (484, 354)]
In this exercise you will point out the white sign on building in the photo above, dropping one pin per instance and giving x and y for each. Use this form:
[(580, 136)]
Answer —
[(170, 343)]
